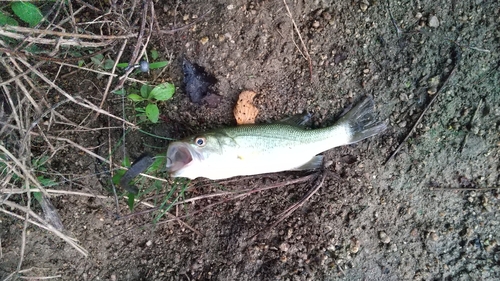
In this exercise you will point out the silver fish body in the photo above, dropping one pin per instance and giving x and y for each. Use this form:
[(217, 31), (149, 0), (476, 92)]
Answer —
[(267, 148)]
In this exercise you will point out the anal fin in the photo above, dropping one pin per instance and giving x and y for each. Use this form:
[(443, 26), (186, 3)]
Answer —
[(315, 163)]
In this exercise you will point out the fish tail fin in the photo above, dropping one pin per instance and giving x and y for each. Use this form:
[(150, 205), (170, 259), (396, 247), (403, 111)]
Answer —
[(361, 121)]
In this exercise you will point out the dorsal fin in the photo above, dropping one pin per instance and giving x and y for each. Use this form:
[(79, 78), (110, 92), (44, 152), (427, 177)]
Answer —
[(300, 120)]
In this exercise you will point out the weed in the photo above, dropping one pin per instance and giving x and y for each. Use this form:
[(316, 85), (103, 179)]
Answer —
[(25, 11), (151, 95), (144, 186)]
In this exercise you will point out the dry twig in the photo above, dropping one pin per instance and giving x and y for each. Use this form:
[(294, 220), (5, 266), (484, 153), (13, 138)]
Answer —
[(306, 52)]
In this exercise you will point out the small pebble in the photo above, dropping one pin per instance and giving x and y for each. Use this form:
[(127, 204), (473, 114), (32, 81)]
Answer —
[(284, 247), (204, 40), (384, 238), (432, 91), (149, 243), (363, 6), (433, 236), (433, 21), (315, 24), (354, 245), (230, 6)]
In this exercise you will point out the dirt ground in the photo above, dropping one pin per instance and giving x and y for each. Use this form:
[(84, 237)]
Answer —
[(429, 213)]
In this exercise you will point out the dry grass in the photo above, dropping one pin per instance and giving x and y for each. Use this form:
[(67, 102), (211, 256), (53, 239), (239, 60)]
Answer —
[(35, 97), (42, 111)]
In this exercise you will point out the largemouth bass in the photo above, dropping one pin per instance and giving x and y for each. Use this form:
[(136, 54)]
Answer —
[(267, 148)]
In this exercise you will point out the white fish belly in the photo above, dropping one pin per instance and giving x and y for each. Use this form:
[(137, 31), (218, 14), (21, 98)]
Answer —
[(256, 163)]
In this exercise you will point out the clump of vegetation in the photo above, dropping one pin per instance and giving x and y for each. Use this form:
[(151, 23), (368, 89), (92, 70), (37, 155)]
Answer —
[(147, 97)]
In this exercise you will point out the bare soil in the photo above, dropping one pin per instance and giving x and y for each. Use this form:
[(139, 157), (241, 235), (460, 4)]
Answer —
[(430, 213)]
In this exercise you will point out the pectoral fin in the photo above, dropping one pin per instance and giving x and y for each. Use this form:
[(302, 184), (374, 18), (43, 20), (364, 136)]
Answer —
[(315, 163)]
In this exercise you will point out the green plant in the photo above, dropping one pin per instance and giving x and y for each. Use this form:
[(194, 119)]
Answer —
[(151, 95), (155, 186), (25, 11)]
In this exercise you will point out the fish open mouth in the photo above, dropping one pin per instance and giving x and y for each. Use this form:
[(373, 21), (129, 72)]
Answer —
[(178, 156)]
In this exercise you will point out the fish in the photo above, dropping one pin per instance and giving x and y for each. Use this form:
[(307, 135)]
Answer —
[(268, 148)]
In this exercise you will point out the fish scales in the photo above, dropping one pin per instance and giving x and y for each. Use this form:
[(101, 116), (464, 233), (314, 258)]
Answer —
[(267, 148)]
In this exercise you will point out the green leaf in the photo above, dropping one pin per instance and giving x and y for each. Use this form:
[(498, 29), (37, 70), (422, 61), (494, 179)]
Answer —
[(135, 97), (158, 64), (163, 92), (126, 162), (154, 54), (157, 164), (108, 64), (81, 63), (27, 12), (152, 112), (97, 59), (4, 19), (120, 92), (38, 196), (118, 176), (131, 200), (122, 65), (34, 49), (140, 109), (145, 90)]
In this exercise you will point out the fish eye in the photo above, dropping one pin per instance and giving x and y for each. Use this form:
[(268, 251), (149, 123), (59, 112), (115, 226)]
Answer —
[(200, 141)]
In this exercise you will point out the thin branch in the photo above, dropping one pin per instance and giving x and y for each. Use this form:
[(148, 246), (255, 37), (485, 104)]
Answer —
[(50, 191), (19, 29), (300, 38)]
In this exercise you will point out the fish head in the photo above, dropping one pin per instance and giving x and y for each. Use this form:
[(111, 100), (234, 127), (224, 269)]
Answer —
[(192, 156)]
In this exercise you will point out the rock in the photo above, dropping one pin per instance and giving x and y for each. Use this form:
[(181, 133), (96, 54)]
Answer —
[(384, 238), (432, 91), (433, 236), (363, 6), (199, 84), (433, 22), (354, 248), (284, 247), (204, 40)]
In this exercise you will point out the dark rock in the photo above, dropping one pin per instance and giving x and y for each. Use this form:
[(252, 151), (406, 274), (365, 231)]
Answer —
[(199, 84)]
